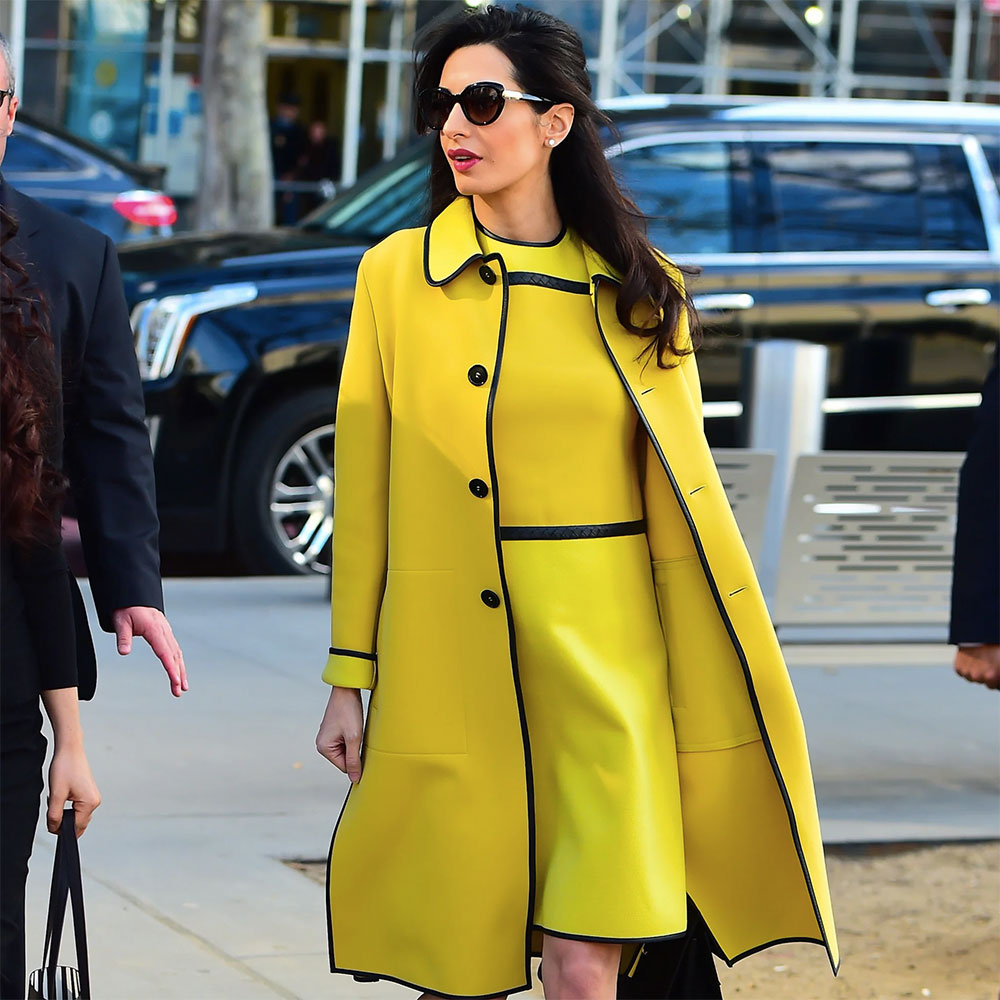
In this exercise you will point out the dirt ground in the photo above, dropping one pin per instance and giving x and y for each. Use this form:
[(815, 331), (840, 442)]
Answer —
[(913, 921)]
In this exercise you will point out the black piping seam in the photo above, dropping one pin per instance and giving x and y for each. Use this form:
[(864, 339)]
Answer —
[(548, 281), (560, 532), (427, 262), (608, 940), (511, 638), (434, 992), (329, 857), (518, 243), (734, 639), (336, 651), (771, 944)]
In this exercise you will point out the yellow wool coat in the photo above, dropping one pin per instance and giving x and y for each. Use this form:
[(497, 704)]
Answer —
[(431, 879)]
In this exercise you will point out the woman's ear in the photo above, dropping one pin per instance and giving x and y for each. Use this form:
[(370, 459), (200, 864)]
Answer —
[(557, 122)]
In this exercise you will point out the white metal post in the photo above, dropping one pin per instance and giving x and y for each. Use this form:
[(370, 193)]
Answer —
[(166, 79), (716, 47), (608, 55), (845, 48), (788, 386), (960, 45), (393, 81), (352, 98), (18, 19)]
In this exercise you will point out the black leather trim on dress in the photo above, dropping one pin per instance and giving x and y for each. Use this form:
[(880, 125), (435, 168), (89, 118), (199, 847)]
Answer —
[(336, 651), (548, 281), (556, 532)]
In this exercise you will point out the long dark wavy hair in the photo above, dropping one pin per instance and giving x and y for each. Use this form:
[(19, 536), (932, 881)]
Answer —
[(548, 60), (30, 486)]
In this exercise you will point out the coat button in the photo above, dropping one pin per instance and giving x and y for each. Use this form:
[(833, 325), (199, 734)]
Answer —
[(490, 599), (478, 375), (488, 275), (478, 488)]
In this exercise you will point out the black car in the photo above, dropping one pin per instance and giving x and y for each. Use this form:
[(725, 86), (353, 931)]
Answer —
[(119, 198), (869, 226)]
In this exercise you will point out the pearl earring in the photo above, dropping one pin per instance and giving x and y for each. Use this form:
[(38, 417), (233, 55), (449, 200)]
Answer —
[(552, 142)]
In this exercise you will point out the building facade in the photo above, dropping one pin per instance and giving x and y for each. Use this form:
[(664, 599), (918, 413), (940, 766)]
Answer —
[(125, 73)]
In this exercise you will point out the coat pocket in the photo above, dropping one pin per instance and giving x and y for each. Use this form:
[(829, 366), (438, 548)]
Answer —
[(708, 692), (418, 704)]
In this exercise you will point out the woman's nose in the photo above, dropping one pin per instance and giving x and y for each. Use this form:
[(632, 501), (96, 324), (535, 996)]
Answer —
[(456, 123)]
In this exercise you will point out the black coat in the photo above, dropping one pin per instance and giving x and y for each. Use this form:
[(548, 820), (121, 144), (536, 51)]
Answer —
[(105, 450), (975, 591)]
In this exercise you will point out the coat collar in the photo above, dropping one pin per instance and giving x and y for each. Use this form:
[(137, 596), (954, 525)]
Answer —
[(450, 246)]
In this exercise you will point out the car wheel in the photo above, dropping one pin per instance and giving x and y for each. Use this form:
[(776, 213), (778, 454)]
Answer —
[(283, 487)]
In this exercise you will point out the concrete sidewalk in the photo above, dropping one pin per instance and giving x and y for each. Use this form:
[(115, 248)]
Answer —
[(204, 797)]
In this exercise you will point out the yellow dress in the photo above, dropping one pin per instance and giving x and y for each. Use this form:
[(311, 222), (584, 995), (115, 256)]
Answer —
[(593, 670)]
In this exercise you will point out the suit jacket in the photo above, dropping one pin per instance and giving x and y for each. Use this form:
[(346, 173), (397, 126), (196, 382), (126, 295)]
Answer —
[(105, 447), (975, 589)]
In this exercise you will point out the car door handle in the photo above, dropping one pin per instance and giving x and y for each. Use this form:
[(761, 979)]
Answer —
[(950, 298), (725, 302)]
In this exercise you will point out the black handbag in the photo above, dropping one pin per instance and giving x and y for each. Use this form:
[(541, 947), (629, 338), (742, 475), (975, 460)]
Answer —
[(679, 968), (54, 981)]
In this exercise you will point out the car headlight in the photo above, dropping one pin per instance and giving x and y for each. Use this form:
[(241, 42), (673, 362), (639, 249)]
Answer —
[(161, 326)]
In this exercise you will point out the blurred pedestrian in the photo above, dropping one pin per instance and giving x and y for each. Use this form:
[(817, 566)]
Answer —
[(975, 589), (320, 162), (288, 145), (579, 711), (39, 644), (74, 270)]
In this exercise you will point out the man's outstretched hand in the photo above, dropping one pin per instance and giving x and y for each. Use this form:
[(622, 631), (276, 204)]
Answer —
[(152, 625)]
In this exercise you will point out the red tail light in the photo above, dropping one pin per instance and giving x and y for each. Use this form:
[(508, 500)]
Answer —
[(146, 208)]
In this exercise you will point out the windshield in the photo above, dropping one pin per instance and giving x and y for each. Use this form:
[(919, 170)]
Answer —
[(390, 198)]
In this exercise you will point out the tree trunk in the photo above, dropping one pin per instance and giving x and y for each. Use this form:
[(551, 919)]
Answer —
[(237, 180)]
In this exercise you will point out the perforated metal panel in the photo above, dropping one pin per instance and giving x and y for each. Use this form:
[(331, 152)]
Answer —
[(868, 539), (746, 475)]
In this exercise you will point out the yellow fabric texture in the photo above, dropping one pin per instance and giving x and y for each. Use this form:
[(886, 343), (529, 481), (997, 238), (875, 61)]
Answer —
[(431, 876), (609, 857)]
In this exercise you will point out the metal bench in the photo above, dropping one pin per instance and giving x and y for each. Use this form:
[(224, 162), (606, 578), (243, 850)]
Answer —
[(865, 567)]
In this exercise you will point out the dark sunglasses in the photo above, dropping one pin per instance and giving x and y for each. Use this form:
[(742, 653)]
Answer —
[(481, 103), (4, 94)]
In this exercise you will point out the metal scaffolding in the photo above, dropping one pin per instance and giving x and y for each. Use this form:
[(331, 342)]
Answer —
[(932, 49)]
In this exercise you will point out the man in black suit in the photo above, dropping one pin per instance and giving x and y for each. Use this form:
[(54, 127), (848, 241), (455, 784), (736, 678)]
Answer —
[(975, 594), (107, 454)]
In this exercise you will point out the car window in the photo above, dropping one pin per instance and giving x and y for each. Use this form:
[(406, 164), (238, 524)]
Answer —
[(867, 196), (688, 192), (25, 154), (396, 199)]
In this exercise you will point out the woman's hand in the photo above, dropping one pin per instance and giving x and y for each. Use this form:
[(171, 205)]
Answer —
[(70, 780), (339, 736)]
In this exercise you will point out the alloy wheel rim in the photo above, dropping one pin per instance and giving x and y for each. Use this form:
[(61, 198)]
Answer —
[(301, 501)]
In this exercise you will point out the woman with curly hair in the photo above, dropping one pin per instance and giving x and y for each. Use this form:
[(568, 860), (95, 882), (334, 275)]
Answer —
[(38, 643)]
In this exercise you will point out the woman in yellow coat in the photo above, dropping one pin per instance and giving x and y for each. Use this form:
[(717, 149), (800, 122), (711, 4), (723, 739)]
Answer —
[(579, 713)]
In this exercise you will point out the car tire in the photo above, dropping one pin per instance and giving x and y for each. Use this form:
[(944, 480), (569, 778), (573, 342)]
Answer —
[(285, 463)]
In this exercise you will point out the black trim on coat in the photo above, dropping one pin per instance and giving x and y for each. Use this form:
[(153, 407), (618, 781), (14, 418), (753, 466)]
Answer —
[(337, 651), (511, 638), (427, 262), (372, 977), (773, 944), (549, 281), (734, 638), (517, 243), (559, 532), (608, 940)]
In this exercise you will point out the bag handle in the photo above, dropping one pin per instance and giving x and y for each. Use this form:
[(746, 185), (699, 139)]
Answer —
[(67, 884)]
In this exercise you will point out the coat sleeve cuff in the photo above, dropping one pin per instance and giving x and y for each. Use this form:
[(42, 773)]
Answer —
[(350, 668)]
